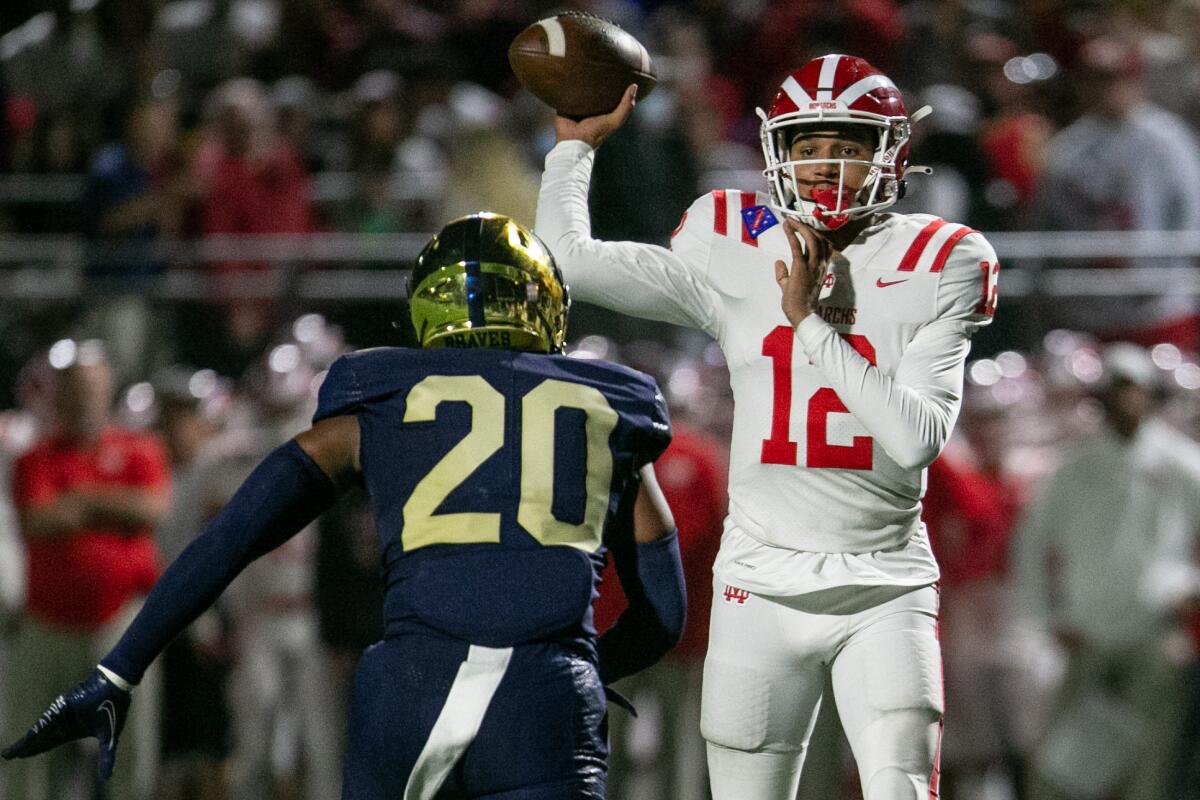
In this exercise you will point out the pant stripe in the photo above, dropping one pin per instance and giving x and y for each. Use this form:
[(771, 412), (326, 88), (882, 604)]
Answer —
[(456, 726)]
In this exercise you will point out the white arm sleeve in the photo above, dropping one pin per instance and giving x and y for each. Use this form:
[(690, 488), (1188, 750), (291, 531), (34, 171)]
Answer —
[(641, 280), (912, 413)]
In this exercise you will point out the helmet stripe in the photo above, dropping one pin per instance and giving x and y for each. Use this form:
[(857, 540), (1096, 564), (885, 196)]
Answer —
[(796, 92), (856, 90), (474, 273), (829, 66)]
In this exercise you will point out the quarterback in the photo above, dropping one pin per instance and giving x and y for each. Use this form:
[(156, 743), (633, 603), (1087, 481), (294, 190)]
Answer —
[(845, 328), (497, 470)]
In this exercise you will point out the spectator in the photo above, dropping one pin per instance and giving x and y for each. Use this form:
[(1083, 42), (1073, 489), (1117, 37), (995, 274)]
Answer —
[(281, 704), (255, 183), (195, 721), (88, 495), (1125, 164), (135, 196), (1104, 563)]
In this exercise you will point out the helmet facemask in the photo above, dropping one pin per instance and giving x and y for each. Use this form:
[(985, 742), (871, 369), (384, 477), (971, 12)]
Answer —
[(830, 209)]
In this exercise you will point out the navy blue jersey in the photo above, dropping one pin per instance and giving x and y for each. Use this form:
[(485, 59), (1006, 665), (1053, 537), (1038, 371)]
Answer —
[(493, 475)]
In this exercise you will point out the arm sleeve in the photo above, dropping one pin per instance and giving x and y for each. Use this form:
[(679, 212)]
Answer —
[(283, 494), (912, 413), (641, 280)]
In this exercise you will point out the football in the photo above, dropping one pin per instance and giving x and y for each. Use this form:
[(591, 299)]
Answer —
[(580, 64)]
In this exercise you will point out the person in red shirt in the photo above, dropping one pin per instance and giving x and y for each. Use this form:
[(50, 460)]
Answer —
[(87, 496)]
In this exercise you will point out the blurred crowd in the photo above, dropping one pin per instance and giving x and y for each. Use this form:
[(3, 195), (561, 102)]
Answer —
[(196, 118)]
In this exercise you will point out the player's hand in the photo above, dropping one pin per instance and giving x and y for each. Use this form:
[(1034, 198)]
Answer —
[(594, 130), (93, 708), (801, 282)]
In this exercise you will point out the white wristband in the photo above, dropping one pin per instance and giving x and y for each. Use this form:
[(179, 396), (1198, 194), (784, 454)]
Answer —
[(115, 679)]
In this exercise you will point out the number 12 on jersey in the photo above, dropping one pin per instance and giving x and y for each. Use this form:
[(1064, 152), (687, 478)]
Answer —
[(778, 345)]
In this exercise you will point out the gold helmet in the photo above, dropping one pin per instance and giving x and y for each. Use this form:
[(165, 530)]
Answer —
[(486, 281)]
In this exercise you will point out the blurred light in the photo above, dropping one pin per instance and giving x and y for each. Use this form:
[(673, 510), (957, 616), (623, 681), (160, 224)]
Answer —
[(81, 6), (1188, 376), (1011, 364), (1008, 393), (202, 384), (62, 353), (1166, 356), (984, 372), (284, 358), (1085, 366), (308, 327), (713, 355), (185, 14), (166, 83), (594, 347), (1044, 65), (139, 397), (1019, 69), (684, 382), (1060, 342), (36, 30)]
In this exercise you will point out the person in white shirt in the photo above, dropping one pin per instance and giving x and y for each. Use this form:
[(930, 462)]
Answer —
[(844, 392), (1104, 561)]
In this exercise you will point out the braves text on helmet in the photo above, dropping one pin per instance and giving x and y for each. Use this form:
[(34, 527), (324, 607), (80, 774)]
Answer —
[(825, 94)]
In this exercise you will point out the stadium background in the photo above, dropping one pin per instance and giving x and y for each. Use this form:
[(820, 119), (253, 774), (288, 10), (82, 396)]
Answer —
[(195, 181)]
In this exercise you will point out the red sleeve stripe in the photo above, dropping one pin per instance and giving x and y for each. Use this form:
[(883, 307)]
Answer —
[(944, 254), (720, 212), (913, 255), (748, 199)]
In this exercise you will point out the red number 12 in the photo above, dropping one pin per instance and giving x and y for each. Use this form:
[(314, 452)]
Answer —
[(778, 345)]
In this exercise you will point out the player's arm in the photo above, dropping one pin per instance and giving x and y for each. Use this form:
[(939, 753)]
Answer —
[(638, 279), (651, 573), (288, 490), (911, 413)]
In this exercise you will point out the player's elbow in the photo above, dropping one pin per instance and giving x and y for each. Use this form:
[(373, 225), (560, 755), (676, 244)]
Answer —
[(916, 454)]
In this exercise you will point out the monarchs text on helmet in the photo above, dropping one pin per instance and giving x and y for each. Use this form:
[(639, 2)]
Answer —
[(486, 281)]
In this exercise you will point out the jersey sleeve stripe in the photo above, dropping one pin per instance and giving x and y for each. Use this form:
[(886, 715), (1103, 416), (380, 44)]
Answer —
[(943, 254), (909, 262), (748, 199), (720, 211)]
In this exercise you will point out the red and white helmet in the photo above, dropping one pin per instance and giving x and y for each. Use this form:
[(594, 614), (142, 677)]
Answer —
[(832, 91)]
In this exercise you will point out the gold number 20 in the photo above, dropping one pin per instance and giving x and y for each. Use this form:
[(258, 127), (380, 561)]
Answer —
[(486, 436)]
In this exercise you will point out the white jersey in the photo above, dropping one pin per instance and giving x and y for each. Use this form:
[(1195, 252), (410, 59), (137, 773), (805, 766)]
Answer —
[(834, 422)]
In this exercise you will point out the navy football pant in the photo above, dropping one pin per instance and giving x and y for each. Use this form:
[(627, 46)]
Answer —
[(432, 717)]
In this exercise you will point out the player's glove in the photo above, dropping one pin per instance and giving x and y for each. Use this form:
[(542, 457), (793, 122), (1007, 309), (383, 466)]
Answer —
[(95, 707)]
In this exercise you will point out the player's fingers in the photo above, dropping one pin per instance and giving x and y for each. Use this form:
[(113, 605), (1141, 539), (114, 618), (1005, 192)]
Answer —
[(625, 107), (35, 743), (108, 757), (781, 273)]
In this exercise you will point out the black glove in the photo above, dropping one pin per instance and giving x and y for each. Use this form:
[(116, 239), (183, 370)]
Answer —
[(95, 707)]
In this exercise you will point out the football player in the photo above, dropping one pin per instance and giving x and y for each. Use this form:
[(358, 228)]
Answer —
[(845, 328), (496, 468)]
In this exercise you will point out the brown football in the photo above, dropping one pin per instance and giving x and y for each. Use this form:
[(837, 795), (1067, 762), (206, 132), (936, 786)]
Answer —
[(580, 64)]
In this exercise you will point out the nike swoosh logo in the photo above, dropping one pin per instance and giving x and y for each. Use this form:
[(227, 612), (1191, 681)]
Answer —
[(111, 711), (882, 284)]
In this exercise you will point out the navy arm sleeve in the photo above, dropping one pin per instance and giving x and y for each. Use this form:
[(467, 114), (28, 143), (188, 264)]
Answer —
[(651, 574), (283, 494)]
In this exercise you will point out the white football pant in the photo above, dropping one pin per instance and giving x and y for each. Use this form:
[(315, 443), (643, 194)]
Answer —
[(763, 678)]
